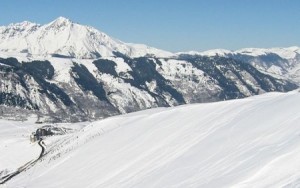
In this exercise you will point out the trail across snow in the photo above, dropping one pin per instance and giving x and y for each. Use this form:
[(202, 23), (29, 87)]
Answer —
[(15, 147), (252, 142), (24, 167)]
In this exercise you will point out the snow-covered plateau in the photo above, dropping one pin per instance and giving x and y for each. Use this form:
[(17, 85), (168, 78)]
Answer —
[(251, 142)]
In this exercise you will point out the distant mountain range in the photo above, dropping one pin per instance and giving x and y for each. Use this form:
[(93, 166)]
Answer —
[(64, 71)]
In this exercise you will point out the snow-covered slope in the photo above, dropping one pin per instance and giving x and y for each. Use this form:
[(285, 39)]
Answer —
[(251, 142), (62, 37)]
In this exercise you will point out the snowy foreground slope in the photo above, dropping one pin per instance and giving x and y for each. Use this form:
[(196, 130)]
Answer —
[(252, 142)]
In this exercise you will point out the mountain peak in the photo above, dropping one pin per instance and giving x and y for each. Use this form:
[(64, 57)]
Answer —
[(22, 24), (61, 21), (65, 37), (13, 30)]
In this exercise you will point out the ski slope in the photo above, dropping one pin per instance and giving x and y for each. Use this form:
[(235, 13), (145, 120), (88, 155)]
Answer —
[(252, 142)]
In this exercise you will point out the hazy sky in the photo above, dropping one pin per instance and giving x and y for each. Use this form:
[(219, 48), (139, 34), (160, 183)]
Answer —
[(174, 25)]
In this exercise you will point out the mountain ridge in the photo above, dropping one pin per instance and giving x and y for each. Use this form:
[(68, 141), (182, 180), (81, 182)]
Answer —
[(284, 52), (130, 49), (64, 71), (65, 37)]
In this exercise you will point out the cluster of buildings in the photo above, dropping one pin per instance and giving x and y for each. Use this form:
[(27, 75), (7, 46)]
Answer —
[(39, 133)]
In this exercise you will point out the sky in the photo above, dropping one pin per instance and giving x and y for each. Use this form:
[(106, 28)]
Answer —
[(173, 25)]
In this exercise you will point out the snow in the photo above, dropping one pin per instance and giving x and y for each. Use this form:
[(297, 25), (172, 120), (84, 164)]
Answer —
[(252, 51), (252, 142), (275, 70), (21, 57), (62, 67), (213, 52), (64, 37), (285, 53), (295, 73), (121, 65), (146, 50), (219, 52), (15, 146)]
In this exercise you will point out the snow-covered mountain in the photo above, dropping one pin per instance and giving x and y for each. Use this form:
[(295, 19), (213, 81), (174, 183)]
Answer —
[(279, 62), (64, 71), (62, 37), (251, 142), (64, 89), (285, 53)]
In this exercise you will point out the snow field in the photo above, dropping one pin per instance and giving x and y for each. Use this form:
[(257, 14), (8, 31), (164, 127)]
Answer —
[(252, 142)]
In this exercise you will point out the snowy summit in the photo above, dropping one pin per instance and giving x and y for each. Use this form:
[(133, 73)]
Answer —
[(63, 37)]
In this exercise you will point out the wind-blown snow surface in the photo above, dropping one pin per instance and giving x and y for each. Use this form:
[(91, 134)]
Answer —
[(252, 142)]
